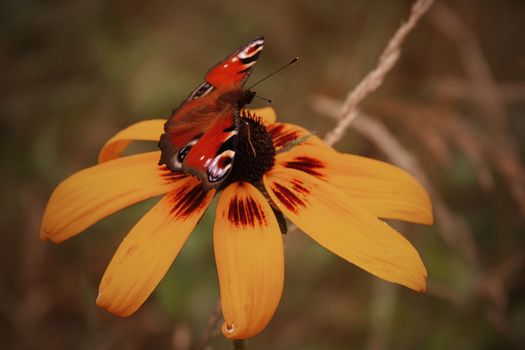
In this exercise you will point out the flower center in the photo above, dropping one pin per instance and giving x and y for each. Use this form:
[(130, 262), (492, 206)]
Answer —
[(255, 152)]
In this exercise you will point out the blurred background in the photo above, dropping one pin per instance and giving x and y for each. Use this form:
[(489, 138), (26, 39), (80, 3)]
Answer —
[(452, 111)]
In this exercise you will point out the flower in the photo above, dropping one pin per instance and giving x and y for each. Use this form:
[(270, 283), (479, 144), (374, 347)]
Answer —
[(336, 199)]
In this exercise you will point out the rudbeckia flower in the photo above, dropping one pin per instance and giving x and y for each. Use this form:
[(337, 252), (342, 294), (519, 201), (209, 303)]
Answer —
[(336, 199)]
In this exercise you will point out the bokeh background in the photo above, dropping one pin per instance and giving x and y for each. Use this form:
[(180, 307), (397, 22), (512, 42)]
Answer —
[(76, 72)]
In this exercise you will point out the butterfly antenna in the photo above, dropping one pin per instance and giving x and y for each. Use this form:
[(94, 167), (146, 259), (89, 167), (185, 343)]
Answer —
[(273, 73), (264, 98)]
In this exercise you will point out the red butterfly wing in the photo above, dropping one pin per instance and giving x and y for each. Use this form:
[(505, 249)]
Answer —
[(205, 155), (235, 69), (200, 136)]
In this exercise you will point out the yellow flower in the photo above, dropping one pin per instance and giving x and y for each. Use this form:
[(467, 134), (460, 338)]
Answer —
[(336, 199)]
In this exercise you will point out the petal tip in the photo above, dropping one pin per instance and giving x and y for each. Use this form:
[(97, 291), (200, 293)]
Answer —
[(427, 209), (47, 235), (44, 236), (102, 157), (430, 218), (105, 304), (228, 330), (422, 286), (419, 283)]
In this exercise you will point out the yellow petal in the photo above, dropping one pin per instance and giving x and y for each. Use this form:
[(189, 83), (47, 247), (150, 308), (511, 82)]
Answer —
[(147, 130), (342, 226), (267, 114), (147, 252), (383, 189), (250, 262), (94, 193)]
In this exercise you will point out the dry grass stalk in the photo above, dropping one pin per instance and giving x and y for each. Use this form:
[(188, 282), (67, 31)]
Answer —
[(442, 129), (454, 231), (458, 89), (374, 78), (488, 101), (213, 329), (474, 62)]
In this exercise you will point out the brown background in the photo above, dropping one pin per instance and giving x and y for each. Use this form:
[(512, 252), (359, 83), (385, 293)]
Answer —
[(74, 73)]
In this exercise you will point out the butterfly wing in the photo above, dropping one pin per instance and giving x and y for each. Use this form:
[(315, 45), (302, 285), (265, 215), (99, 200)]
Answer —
[(201, 135), (235, 69), (211, 158)]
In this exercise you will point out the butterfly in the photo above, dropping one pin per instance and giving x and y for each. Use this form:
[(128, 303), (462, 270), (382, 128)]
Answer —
[(200, 137)]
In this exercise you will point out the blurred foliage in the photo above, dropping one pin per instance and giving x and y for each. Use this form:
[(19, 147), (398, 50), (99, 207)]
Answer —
[(77, 72)]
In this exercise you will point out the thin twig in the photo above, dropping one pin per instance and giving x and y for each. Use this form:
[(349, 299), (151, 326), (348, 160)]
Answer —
[(375, 78)]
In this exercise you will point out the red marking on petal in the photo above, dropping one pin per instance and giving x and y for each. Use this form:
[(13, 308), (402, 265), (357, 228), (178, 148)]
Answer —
[(246, 212), (170, 176), (255, 211), (281, 136), (288, 198), (186, 202), (308, 165), (298, 186)]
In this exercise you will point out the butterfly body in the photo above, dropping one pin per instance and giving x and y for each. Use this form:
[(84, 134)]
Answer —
[(200, 137)]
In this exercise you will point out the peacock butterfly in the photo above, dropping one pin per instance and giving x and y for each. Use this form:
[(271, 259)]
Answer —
[(200, 137)]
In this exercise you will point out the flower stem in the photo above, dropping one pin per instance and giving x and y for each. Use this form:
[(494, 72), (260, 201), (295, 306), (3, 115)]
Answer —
[(239, 344)]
